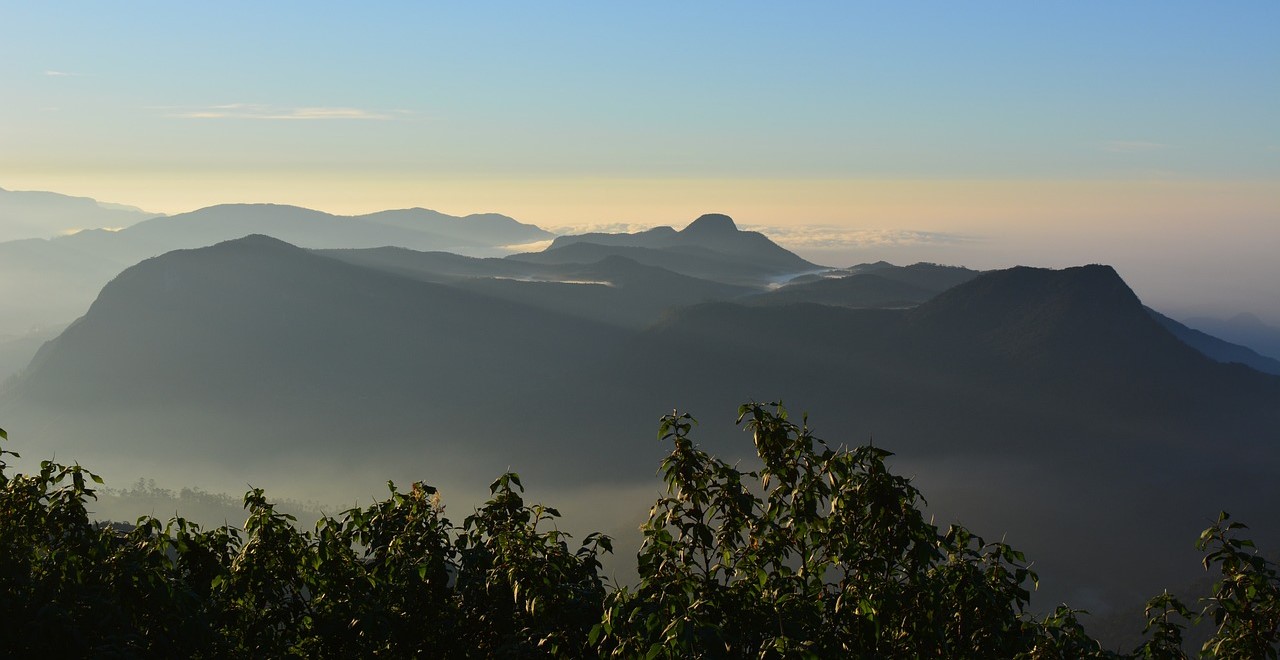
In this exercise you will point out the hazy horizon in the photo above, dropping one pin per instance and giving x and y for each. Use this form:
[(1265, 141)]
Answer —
[(1049, 407), (1178, 267), (986, 135)]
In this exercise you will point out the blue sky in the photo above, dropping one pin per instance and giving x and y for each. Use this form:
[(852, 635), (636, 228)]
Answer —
[(903, 90), (1078, 123)]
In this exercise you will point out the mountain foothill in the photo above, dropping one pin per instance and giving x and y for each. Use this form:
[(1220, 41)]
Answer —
[(310, 351)]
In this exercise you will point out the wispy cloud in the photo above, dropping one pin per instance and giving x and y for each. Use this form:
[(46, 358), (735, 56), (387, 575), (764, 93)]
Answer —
[(536, 246), (61, 74), (1132, 146), (260, 111)]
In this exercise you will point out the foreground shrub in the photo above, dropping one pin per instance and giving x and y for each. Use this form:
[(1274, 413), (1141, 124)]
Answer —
[(395, 579), (822, 552)]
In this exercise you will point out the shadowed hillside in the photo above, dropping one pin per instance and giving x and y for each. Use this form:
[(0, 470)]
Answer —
[(257, 358), (1052, 384), (614, 290), (257, 348)]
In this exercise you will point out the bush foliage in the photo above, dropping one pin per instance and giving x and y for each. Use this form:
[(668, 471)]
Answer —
[(822, 552)]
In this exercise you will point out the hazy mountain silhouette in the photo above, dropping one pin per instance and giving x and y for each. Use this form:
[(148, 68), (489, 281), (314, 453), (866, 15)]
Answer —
[(291, 349), (1244, 329), (45, 282), (711, 247), (934, 277), (16, 351), (482, 229), (1217, 349), (53, 281), (37, 214), (418, 229)]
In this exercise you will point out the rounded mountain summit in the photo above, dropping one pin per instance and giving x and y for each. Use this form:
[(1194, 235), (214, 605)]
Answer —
[(711, 224)]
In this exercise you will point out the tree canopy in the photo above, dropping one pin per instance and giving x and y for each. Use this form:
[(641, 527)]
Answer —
[(821, 552)]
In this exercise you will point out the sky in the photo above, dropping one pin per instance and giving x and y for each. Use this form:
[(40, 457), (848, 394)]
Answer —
[(1143, 134)]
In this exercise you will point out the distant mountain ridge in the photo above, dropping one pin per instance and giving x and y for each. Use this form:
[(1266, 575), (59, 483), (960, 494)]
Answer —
[(411, 228), (38, 214), (52, 281), (710, 247), (1215, 348), (1244, 329)]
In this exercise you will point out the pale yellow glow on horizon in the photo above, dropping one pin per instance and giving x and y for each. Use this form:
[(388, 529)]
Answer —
[(1023, 207), (1203, 247)]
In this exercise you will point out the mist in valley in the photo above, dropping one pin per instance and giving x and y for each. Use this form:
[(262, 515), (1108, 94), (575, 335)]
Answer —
[(1049, 408), (1031, 251)]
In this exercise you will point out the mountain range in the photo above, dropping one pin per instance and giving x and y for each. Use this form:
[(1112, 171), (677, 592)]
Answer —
[(51, 281), (37, 214), (710, 247), (1049, 406)]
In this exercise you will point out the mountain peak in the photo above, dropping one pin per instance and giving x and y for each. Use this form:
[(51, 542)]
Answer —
[(1085, 314), (1093, 288), (711, 223), (258, 241), (1248, 319)]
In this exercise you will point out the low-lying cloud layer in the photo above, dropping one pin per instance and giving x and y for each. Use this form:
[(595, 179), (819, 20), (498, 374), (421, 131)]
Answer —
[(828, 237), (601, 228)]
